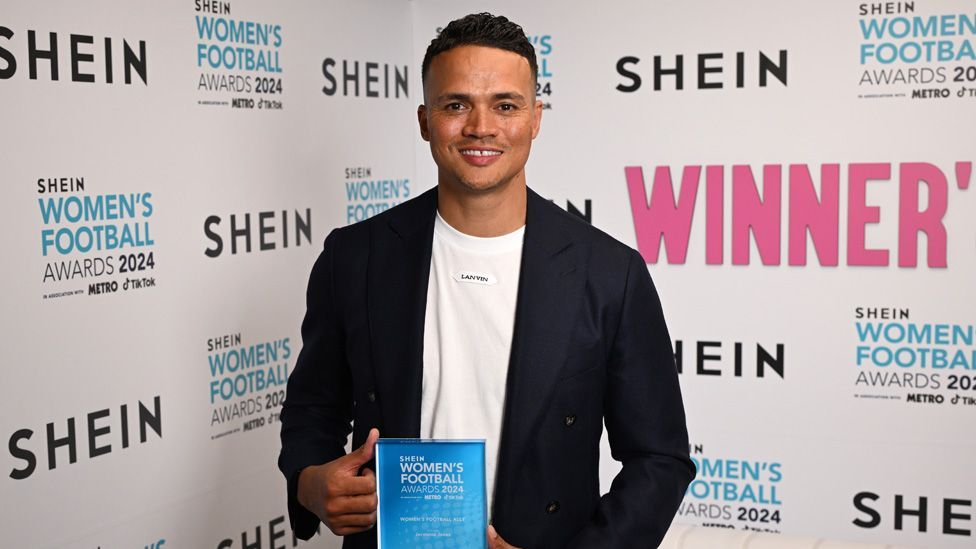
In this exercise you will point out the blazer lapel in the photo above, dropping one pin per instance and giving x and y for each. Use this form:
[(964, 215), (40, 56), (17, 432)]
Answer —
[(549, 296), (397, 276)]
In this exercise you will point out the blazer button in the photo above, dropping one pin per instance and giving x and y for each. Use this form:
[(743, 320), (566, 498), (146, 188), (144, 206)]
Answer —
[(569, 420), (371, 396), (552, 507)]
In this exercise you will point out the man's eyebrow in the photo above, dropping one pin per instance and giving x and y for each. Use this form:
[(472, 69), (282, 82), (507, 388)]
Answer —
[(452, 97), (515, 96)]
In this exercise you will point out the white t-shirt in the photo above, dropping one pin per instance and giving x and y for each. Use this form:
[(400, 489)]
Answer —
[(469, 321)]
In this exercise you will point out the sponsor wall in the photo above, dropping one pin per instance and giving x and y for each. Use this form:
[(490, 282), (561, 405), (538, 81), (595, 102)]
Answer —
[(798, 178)]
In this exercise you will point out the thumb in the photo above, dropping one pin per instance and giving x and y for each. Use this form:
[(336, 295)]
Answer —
[(364, 453), (349, 464)]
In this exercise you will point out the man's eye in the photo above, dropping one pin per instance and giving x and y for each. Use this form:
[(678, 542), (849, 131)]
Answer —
[(507, 107), (454, 106)]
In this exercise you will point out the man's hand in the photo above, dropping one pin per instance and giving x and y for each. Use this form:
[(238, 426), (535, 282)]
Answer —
[(338, 494), (495, 541)]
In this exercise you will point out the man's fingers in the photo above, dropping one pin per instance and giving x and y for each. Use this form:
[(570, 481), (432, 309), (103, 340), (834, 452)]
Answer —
[(345, 498), (495, 541), (357, 504), (354, 486), (357, 520), (352, 524)]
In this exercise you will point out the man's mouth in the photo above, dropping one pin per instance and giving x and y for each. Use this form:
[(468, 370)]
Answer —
[(480, 152), (480, 157)]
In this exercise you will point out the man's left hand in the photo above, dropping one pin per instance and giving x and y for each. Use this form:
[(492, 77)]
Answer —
[(495, 541)]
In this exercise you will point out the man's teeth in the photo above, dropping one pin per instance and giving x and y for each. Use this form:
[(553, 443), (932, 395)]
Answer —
[(475, 152)]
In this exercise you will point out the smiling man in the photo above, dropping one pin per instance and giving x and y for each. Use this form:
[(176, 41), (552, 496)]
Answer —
[(481, 310)]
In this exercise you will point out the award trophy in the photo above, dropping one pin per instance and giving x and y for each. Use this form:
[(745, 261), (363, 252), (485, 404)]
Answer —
[(431, 493)]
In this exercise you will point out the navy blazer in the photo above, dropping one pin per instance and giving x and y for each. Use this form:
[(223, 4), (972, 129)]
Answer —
[(590, 346)]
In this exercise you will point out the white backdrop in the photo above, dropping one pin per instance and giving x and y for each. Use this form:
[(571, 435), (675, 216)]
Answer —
[(822, 443)]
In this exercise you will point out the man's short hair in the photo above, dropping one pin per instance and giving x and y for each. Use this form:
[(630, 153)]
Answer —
[(481, 29)]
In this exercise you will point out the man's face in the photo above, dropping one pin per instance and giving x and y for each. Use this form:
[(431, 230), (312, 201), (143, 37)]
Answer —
[(480, 116)]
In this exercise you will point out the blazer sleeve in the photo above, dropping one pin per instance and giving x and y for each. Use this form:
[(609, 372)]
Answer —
[(645, 422), (317, 411)]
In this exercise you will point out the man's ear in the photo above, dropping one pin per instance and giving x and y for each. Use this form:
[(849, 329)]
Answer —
[(422, 120), (536, 118)]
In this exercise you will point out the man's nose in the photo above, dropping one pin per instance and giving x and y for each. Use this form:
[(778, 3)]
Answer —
[(479, 124)]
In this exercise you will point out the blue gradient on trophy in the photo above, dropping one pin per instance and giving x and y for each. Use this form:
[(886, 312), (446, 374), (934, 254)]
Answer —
[(431, 493)]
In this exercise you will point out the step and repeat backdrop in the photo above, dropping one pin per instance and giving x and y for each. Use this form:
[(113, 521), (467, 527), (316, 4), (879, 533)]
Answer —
[(798, 177)]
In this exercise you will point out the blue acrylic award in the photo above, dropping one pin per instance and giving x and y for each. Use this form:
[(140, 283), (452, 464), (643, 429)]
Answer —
[(431, 493)]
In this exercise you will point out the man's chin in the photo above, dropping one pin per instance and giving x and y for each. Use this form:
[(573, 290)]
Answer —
[(482, 187), (479, 186)]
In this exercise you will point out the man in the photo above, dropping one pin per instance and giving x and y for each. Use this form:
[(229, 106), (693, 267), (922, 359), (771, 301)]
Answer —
[(481, 310)]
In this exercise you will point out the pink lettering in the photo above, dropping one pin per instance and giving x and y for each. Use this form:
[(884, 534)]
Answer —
[(714, 214), (760, 215), (821, 217), (859, 214), (663, 218), (814, 210), (911, 221)]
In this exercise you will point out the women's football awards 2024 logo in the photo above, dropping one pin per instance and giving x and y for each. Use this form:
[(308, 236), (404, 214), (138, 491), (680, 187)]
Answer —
[(239, 60), (94, 243)]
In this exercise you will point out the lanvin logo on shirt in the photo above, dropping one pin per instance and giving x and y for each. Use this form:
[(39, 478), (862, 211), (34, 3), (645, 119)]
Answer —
[(475, 278)]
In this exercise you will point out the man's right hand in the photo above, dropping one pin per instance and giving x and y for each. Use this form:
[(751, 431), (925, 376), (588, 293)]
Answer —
[(338, 494)]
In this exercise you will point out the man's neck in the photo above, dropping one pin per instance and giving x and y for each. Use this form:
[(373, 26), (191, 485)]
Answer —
[(485, 215)]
